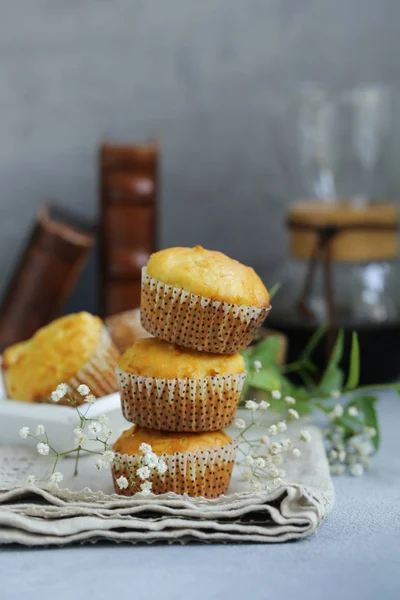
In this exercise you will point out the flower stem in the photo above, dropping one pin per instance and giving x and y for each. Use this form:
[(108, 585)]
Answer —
[(76, 462)]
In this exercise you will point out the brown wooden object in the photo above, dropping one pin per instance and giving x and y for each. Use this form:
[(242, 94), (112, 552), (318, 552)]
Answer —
[(128, 206), (47, 271)]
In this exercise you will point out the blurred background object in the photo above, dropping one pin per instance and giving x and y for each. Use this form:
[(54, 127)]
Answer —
[(46, 274), (344, 240), (128, 217), (125, 328)]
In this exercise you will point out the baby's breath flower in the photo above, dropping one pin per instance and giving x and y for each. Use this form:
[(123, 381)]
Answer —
[(337, 469), (102, 463), (260, 462), (251, 405), (95, 428), (286, 444), (276, 394), (161, 467), (281, 426), (249, 459), (106, 431), (336, 413), (122, 482), (365, 462), (90, 399), (370, 431), (24, 432), (108, 456), (275, 448), (43, 448), (55, 397), (31, 480), (357, 470), (146, 487), (289, 400), (240, 423), (265, 440), (257, 365), (273, 430), (103, 419), (145, 448), (143, 472), (341, 456), (274, 471), (333, 454), (305, 436), (353, 411), (336, 394), (40, 430), (56, 477), (83, 390), (277, 481), (80, 437), (256, 486), (61, 390), (277, 459), (151, 460), (296, 452), (264, 405), (293, 414), (366, 449)]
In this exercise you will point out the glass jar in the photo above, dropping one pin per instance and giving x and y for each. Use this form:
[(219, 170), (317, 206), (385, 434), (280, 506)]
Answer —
[(343, 266)]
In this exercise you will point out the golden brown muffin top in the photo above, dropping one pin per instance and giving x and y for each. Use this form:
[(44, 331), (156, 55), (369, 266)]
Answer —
[(57, 352), (210, 274), (151, 357), (168, 443)]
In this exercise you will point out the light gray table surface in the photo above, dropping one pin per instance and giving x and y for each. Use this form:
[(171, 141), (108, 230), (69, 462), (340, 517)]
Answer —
[(355, 555)]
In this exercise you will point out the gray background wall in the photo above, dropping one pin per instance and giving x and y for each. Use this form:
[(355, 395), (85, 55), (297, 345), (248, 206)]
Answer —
[(209, 79)]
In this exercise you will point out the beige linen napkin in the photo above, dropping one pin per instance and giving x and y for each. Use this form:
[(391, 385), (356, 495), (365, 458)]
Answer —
[(36, 517)]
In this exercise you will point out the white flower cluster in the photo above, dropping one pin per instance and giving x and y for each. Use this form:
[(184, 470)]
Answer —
[(262, 457), (352, 454), (149, 463), (105, 460), (97, 428), (61, 390)]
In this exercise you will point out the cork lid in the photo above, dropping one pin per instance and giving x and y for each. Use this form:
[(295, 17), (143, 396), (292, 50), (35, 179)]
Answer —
[(358, 232)]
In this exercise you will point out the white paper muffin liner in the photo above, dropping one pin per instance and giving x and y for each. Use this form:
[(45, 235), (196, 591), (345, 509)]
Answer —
[(203, 473), (206, 404), (196, 322), (98, 373)]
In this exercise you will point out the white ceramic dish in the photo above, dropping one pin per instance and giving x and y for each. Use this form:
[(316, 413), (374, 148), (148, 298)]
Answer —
[(58, 420)]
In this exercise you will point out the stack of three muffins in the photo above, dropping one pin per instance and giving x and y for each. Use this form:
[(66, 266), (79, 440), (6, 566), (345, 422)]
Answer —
[(182, 387)]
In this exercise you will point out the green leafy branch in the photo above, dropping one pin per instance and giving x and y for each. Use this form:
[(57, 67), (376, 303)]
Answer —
[(353, 422)]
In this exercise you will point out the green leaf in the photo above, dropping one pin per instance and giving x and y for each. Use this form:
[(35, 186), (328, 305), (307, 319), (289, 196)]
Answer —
[(313, 342), (366, 405), (337, 351), (265, 351), (351, 424), (267, 379), (332, 378), (274, 290), (354, 369), (246, 381)]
